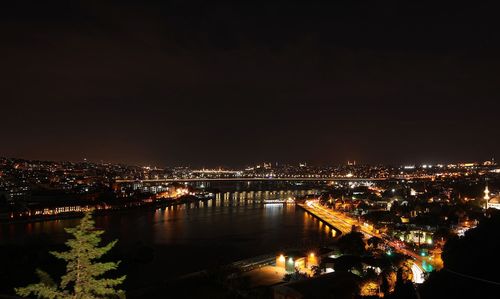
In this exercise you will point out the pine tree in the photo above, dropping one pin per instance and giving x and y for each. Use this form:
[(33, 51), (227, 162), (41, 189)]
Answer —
[(84, 275)]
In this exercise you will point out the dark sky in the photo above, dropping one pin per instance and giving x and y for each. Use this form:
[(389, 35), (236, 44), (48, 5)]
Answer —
[(217, 83)]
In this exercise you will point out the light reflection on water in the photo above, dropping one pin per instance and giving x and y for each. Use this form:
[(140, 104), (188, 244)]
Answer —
[(190, 237)]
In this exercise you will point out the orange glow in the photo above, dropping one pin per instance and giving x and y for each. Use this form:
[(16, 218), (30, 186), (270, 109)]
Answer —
[(280, 261), (312, 260)]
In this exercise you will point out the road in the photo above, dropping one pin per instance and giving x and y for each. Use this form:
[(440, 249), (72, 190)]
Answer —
[(345, 223), (327, 216)]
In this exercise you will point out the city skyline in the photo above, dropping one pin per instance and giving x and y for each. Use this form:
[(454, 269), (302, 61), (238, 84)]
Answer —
[(264, 149), (273, 164), (224, 84)]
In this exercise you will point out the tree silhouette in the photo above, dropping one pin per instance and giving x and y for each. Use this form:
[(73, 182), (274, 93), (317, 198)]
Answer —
[(84, 276), (374, 241), (348, 262), (352, 243), (404, 287), (388, 281), (470, 264), (295, 276)]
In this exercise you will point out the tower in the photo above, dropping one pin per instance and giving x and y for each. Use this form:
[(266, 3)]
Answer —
[(486, 193), (486, 196)]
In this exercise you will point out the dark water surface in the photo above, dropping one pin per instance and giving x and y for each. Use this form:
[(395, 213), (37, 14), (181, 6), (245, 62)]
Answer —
[(158, 244)]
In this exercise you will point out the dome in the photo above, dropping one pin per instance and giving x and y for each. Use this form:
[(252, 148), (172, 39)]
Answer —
[(494, 200)]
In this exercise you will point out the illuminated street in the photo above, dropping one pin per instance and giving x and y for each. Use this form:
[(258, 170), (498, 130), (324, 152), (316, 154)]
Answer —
[(345, 224), (247, 149)]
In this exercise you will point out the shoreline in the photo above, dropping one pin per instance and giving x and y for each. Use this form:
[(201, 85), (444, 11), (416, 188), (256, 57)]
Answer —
[(104, 211), (97, 211)]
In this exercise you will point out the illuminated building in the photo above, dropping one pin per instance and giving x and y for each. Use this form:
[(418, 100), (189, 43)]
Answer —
[(494, 203), (491, 202), (486, 193), (297, 260), (486, 197), (280, 261), (291, 264), (312, 260)]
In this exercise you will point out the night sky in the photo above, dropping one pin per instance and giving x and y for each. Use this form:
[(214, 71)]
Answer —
[(207, 83)]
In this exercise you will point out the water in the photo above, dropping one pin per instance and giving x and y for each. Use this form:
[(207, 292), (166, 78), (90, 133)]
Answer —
[(158, 244)]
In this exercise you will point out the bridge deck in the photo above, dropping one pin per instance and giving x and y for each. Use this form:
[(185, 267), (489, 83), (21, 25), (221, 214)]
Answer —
[(320, 179)]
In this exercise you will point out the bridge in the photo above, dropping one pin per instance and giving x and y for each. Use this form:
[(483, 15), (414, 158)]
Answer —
[(254, 179), (344, 224)]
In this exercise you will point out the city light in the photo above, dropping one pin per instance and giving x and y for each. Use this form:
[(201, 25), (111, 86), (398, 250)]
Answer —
[(249, 149)]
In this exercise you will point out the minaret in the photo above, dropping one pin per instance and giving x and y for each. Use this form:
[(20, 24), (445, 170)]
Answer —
[(486, 196)]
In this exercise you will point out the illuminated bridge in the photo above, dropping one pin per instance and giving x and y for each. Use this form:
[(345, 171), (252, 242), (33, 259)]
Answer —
[(259, 179)]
